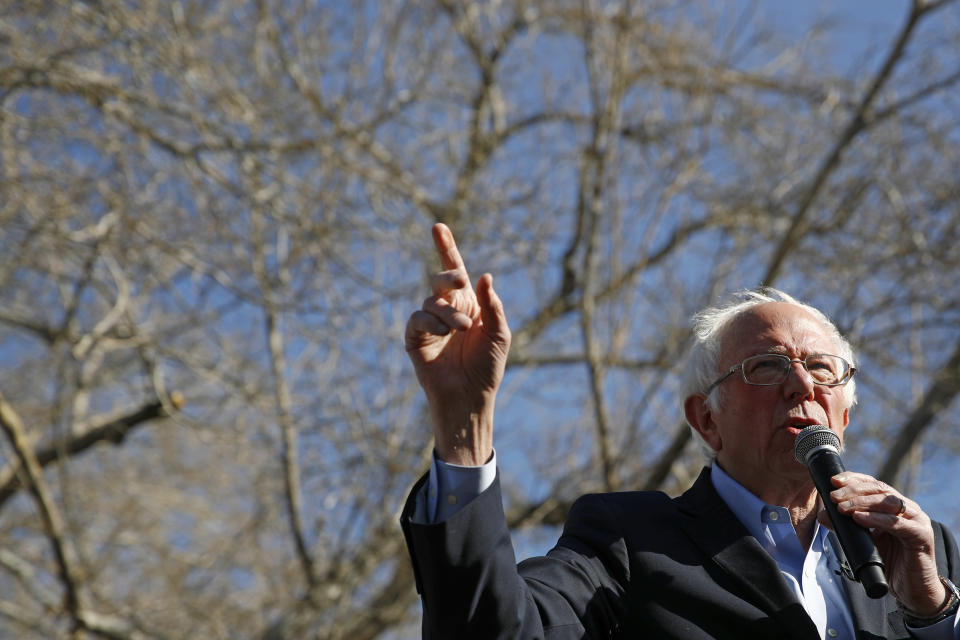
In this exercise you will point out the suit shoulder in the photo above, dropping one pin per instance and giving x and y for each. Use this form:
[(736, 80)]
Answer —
[(616, 504), (626, 498)]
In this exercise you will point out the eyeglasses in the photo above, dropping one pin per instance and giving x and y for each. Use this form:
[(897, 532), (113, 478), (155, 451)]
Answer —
[(769, 369)]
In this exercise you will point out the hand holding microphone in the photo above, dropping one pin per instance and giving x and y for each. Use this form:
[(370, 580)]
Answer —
[(899, 546)]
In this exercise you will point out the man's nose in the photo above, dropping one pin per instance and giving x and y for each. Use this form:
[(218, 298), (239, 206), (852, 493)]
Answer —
[(799, 381)]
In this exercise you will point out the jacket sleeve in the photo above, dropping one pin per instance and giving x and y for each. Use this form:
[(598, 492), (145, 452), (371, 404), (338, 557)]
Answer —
[(471, 586), (948, 557)]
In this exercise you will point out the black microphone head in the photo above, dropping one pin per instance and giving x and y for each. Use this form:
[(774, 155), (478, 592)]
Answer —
[(814, 438)]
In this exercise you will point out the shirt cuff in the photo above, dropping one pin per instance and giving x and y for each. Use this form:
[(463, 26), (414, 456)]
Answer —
[(450, 487)]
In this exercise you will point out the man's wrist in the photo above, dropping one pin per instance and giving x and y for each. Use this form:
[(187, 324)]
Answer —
[(470, 444), (948, 608), (463, 456)]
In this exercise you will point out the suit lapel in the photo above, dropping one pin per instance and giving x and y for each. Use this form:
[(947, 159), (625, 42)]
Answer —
[(714, 528)]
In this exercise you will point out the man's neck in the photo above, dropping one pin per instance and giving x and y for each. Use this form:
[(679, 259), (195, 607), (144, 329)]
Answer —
[(805, 522)]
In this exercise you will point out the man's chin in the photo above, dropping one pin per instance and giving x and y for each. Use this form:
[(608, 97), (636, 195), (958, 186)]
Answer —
[(794, 470)]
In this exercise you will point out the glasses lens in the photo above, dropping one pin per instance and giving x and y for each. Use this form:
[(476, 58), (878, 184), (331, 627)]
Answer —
[(765, 369), (825, 369)]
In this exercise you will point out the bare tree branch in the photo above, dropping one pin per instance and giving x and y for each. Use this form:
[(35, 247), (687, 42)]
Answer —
[(113, 431), (859, 120), (49, 513), (944, 389)]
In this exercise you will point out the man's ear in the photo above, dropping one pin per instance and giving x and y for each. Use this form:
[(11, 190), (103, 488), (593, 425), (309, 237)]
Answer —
[(700, 417)]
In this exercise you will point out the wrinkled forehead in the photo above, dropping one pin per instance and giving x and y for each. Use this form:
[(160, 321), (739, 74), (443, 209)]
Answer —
[(775, 327)]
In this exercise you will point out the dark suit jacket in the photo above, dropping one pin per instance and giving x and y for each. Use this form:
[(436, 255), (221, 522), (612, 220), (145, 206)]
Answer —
[(628, 565)]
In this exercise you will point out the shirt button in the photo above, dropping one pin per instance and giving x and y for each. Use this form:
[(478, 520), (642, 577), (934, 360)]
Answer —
[(451, 499), (774, 516), (832, 633)]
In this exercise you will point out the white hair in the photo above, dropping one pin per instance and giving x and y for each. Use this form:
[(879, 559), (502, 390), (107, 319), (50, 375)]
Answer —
[(709, 327)]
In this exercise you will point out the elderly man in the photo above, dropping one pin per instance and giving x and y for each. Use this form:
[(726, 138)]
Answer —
[(744, 553)]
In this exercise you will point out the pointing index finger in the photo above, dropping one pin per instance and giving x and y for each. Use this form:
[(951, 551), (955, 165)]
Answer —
[(447, 247)]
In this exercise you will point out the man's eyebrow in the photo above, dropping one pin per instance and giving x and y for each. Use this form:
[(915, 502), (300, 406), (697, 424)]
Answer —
[(782, 350), (775, 349)]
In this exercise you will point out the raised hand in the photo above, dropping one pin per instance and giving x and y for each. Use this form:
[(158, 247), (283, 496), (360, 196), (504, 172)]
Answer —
[(458, 342)]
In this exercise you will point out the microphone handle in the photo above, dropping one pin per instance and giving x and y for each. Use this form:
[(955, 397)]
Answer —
[(857, 544)]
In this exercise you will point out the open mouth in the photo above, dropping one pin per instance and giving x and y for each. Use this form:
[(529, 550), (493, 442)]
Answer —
[(796, 426)]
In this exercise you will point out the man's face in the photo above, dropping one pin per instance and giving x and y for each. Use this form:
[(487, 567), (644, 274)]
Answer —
[(756, 426)]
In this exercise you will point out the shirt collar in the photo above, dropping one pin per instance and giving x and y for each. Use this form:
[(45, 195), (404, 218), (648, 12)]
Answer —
[(748, 508)]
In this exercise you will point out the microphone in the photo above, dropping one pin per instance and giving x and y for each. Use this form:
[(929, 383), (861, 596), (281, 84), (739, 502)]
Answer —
[(818, 449)]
